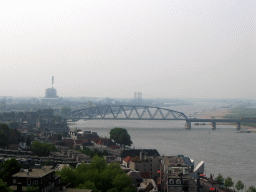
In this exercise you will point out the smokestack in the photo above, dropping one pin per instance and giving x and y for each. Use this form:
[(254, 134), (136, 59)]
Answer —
[(52, 80)]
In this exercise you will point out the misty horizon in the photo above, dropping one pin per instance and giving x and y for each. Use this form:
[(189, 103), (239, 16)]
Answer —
[(163, 49)]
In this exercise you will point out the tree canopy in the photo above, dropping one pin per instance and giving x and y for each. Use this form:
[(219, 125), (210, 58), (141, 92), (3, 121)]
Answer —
[(251, 189), (32, 189), (98, 176), (94, 152), (228, 182), (13, 124), (3, 138), (4, 134), (120, 136), (4, 187), (42, 149), (239, 185), (220, 179), (8, 168)]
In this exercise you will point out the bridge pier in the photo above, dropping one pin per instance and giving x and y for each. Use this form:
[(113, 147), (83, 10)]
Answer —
[(238, 126), (214, 125), (188, 125)]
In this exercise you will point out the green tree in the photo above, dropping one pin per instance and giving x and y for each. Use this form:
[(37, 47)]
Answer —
[(3, 138), (123, 183), (120, 136), (251, 189), (98, 163), (4, 187), (82, 168), (8, 116), (42, 149), (239, 185), (228, 182), (32, 189), (69, 175), (94, 152), (8, 168), (113, 190), (4, 127), (88, 185), (220, 179), (13, 125), (65, 111), (98, 176)]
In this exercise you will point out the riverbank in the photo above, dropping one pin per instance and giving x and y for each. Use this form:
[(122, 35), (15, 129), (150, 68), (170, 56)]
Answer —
[(218, 113), (252, 129), (221, 113)]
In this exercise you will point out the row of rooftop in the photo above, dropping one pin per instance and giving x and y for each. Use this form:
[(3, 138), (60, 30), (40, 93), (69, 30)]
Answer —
[(144, 166)]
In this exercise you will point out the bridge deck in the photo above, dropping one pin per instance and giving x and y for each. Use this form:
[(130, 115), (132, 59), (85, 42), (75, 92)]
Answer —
[(223, 120), (161, 119)]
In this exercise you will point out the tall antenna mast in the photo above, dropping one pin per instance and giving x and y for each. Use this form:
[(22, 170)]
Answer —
[(52, 80)]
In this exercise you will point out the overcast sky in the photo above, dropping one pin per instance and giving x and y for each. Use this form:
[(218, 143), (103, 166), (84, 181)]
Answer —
[(175, 48)]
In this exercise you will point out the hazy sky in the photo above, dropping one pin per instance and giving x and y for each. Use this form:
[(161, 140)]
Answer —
[(175, 48)]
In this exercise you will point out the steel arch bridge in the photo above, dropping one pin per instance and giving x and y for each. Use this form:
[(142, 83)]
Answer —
[(125, 112)]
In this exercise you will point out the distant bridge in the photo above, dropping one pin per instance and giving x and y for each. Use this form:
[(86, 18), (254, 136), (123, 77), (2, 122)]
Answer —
[(132, 112), (126, 112)]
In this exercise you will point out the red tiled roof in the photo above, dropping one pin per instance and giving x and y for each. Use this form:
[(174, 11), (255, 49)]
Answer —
[(114, 147), (100, 142), (127, 159), (80, 141), (103, 141)]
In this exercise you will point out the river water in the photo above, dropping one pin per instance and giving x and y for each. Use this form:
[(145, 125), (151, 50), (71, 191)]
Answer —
[(223, 150)]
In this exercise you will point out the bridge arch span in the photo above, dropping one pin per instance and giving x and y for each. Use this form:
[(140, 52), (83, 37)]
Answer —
[(126, 112)]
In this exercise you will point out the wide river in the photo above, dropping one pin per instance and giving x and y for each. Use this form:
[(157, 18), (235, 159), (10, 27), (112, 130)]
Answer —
[(223, 150)]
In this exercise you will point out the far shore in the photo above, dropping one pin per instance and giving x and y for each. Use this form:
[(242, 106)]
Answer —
[(221, 112), (249, 128), (72, 124)]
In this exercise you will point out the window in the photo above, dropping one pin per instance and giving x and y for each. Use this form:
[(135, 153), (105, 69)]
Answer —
[(171, 181), (178, 181), (35, 182), (29, 181), (14, 181)]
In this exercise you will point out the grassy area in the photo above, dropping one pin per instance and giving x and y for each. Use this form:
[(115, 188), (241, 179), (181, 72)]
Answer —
[(241, 112)]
